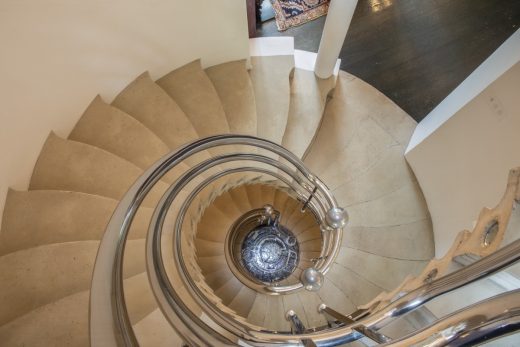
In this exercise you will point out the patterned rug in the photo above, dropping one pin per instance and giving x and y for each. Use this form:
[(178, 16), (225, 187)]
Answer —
[(291, 13)]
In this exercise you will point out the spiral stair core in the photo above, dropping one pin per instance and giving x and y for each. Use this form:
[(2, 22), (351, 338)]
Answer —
[(345, 131)]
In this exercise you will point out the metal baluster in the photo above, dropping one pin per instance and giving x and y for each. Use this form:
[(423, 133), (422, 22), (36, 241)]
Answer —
[(297, 327), (334, 316)]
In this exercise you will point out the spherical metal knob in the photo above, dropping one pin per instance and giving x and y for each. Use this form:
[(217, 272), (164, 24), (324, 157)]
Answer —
[(321, 308), (312, 279), (269, 210), (289, 314), (336, 218)]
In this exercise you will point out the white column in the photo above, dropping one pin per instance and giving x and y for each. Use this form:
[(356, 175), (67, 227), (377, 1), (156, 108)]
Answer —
[(336, 27)]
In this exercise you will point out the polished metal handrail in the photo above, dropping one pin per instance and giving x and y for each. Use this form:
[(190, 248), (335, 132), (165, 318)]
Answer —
[(163, 288), (109, 322), (318, 210), (486, 266), (481, 322)]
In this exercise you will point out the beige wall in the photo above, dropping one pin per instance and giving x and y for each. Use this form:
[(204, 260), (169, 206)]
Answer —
[(56, 55), (463, 165)]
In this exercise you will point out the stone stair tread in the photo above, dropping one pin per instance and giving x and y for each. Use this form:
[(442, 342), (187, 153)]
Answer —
[(358, 289), (258, 310), (111, 129), (333, 297), (311, 245), (144, 100), (239, 196), (292, 278), (211, 264), (305, 224), (193, 91), (63, 322), (275, 315), (217, 279), (229, 290), (41, 275), (311, 301), (254, 195), (155, 331), (270, 78), (390, 170), (296, 216), (288, 209), (407, 206), (40, 217), (139, 298), (280, 198), (311, 234), (396, 269), (268, 194), (226, 204), (392, 240), (371, 101), (243, 301), (335, 131), (235, 90), (75, 166), (205, 248), (213, 225), (308, 98)]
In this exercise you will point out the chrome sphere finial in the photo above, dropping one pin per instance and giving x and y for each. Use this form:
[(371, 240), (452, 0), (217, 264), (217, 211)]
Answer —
[(336, 218), (269, 209), (312, 279)]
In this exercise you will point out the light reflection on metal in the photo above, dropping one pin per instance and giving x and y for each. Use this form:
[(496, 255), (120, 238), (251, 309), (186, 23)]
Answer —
[(336, 218), (109, 317), (333, 315), (481, 322), (312, 279)]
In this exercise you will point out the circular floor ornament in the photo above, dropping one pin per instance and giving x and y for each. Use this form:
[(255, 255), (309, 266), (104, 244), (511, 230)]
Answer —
[(270, 254)]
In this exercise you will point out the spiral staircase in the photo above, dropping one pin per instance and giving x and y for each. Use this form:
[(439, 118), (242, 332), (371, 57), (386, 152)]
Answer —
[(347, 139)]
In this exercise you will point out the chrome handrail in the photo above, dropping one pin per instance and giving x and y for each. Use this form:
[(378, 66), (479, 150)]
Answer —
[(486, 266), (109, 322), (481, 322), (162, 287)]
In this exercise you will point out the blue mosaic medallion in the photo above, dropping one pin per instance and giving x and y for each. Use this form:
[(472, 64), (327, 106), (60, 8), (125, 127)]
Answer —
[(270, 253)]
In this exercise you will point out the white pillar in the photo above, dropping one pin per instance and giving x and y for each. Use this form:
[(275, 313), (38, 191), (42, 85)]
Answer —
[(336, 27)]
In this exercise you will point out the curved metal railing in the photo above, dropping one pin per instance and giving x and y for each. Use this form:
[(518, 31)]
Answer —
[(109, 321), (108, 311), (479, 323)]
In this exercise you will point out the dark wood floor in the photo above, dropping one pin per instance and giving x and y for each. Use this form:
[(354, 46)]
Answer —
[(415, 51)]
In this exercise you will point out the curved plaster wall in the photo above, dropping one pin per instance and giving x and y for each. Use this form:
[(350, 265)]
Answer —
[(57, 55), (462, 163)]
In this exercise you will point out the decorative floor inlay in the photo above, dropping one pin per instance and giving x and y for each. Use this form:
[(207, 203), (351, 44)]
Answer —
[(270, 253)]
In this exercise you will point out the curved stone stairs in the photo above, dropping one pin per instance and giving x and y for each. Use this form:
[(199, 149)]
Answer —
[(355, 143), (246, 302)]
